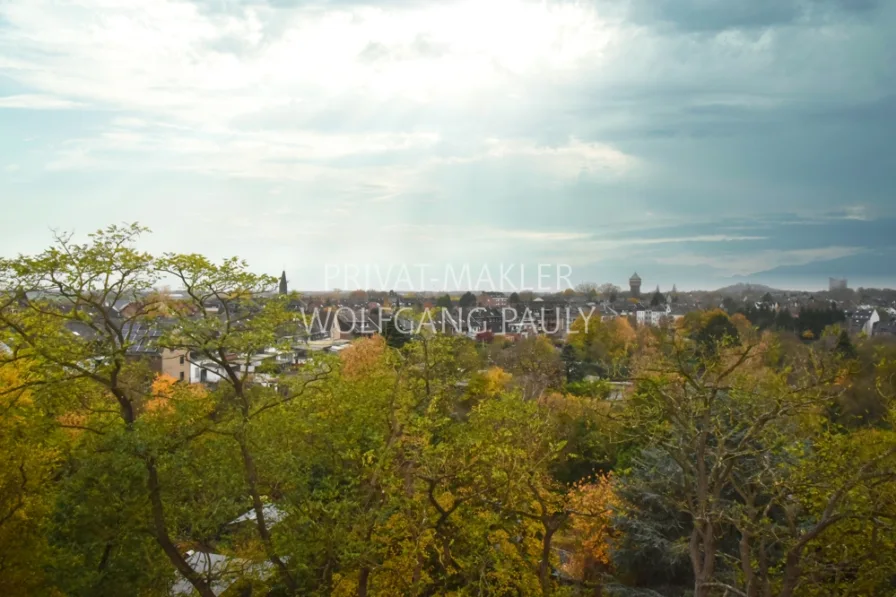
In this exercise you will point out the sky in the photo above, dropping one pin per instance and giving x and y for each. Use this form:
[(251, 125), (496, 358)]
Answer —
[(697, 142)]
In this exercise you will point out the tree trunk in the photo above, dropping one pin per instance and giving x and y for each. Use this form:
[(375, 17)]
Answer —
[(363, 579), (160, 531), (702, 552), (260, 522), (544, 566)]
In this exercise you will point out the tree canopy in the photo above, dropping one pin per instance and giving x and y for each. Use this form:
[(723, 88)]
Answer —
[(708, 457)]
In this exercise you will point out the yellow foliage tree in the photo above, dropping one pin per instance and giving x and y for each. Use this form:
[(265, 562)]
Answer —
[(590, 535), (27, 462)]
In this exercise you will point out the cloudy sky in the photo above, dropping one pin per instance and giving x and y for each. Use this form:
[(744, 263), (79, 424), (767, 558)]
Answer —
[(699, 142)]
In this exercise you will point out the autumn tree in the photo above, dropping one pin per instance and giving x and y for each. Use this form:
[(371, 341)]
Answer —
[(31, 451), (230, 339), (467, 300), (591, 532), (726, 424), (59, 313)]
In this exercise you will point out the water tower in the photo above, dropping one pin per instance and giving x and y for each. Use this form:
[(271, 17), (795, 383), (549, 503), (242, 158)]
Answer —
[(634, 284)]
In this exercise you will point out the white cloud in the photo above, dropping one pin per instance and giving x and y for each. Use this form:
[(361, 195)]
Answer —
[(855, 212), (753, 262), (546, 236), (169, 57), (36, 102), (567, 160), (187, 75), (506, 126), (598, 250)]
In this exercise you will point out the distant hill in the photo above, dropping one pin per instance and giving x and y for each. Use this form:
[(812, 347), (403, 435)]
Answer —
[(741, 288), (871, 269)]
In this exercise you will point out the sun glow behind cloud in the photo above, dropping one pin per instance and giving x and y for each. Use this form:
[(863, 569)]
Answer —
[(171, 57)]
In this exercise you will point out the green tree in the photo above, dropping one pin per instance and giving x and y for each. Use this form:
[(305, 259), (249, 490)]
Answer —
[(73, 286), (32, 450), (746, 445), (231, 338), (844, 346), (572, 366), (467, 300)]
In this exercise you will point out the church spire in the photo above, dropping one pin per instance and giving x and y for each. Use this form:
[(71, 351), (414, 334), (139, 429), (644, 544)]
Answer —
[(283, 289)]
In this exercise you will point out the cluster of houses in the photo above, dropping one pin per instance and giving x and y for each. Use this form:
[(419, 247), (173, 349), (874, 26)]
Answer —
[(324, 324)]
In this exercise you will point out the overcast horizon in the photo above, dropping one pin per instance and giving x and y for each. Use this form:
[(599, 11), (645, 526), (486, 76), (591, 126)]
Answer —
[(700, 143)]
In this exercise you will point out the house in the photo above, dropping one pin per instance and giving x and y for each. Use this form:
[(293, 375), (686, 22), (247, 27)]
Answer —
[(144, 344), (885, 329), (209, 372), (492, 300), (222, 571), (620, 390), (272, 515), (348, 324), (863, 321), (617, 390), (653, 317)]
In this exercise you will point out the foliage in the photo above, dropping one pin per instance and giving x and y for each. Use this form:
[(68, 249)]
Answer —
[(745, 462)]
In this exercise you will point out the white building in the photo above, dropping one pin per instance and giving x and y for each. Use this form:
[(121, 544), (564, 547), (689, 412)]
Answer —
[(207, 371), (863, 321)]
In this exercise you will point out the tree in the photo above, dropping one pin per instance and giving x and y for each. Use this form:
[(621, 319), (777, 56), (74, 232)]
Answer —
[(514, 299), (609, 291), (444, 301), (30, 460), (490, 383), (395, 337), (229, 339), (743, 462), (729, 304), (735, 433), (587, 289), (467, 300), (657, 299), (711, 330), (591, 532), (844, 346), (535, 365), (77, 285), (608, 344), (572, 367)]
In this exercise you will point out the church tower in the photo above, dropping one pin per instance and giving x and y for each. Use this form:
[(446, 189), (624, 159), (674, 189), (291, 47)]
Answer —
[(283, 289)]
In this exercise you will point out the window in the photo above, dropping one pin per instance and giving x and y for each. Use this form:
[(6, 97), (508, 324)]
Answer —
[(181, 373), (181, 359)]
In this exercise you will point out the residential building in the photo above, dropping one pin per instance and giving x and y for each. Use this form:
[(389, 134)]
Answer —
[(144, 343), (492, 299), (649, 317), (863, 321)]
